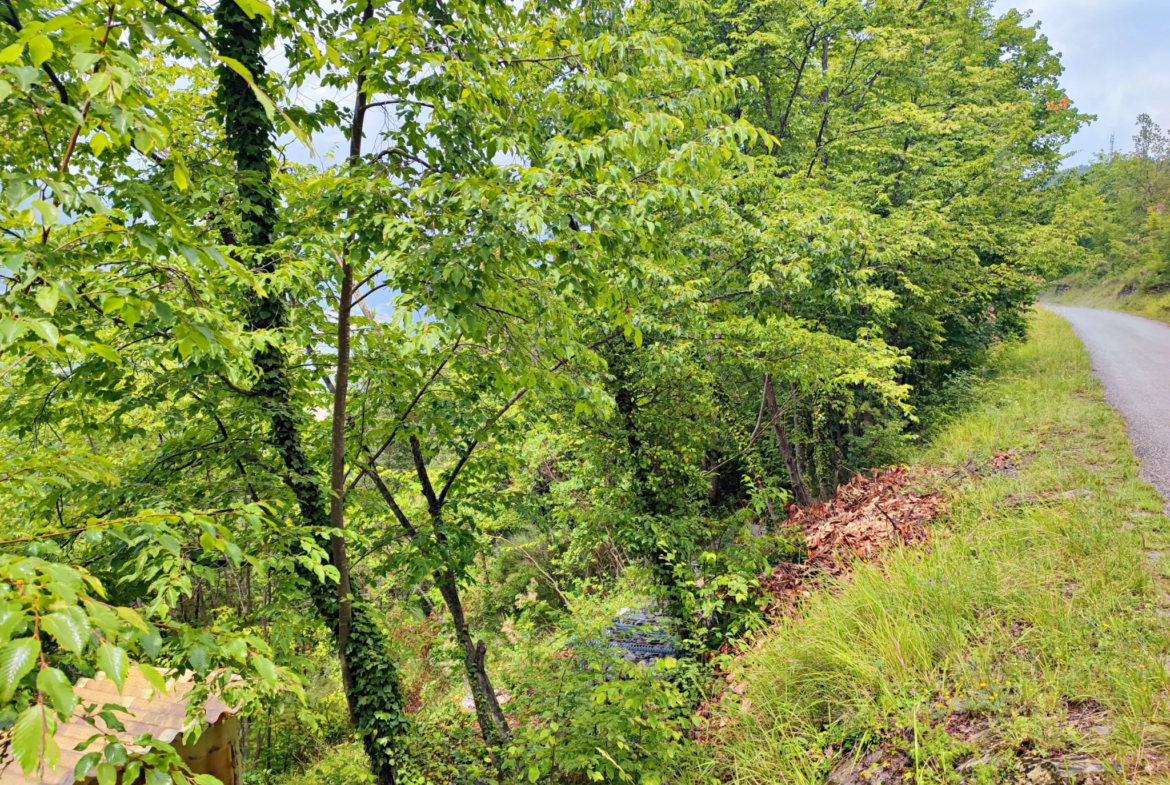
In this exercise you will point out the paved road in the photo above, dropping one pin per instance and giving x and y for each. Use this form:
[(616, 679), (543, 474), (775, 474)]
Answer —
[(1131, 355)]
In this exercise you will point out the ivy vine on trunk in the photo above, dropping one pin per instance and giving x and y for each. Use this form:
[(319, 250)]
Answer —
[(372, 683)]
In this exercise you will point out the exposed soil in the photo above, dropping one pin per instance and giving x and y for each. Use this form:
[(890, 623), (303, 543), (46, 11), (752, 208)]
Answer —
[(1087, 717), (967, 727), (876, 767)]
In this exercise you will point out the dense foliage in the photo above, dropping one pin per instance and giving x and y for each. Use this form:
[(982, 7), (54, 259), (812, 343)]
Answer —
[(1115, 209), (592, 293)]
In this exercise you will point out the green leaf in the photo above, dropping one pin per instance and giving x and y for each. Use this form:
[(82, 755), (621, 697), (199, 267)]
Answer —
[(157, 777), (98, 83), (85, 61), (34, 724), (156, 679), (11, 53), (104, 618), (106, 353), (163, 311), (15, 192), (5, 89), (47, 297), (114, 662), (85, 766), (16, 659), (106, 774), (112, 304), (199, 658), (46, 330), (99, 142), (131, 617), (10, 330), (265, 668), (111, 719), (11, 617), (116, 754), (151, 642), (55, 684), (48, 212), (70, 627), (26, 76), (40, 49), (63, 574), (182, 178), (143, 141)]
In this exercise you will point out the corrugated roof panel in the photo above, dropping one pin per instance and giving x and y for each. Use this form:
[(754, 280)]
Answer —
[(162, 716)]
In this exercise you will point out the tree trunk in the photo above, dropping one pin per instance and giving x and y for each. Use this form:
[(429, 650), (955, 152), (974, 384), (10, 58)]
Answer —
[(374, 690), (799, 488), (492, 723), (337, 481)]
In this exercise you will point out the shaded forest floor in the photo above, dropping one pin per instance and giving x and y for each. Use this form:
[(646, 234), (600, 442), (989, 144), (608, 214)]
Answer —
[(1027, 641)]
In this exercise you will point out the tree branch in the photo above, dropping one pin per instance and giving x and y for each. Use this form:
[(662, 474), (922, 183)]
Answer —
[(14, 20), (186, 18), (424, 477)]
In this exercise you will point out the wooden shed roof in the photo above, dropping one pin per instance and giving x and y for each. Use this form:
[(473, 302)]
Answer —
[(162, 716)]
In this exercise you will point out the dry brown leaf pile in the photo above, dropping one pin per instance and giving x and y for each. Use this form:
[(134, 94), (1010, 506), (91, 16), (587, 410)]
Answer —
[(867, 515)]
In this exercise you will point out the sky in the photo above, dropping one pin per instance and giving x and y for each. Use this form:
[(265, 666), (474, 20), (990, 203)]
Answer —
[(1116, 55)]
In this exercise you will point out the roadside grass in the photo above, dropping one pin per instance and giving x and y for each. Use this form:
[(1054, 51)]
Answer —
[(1030, 627)]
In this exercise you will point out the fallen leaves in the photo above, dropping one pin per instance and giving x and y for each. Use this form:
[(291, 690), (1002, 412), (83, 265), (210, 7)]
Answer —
[(867, 515)]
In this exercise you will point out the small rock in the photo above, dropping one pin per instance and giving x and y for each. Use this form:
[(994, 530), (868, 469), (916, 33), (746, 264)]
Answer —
[(468, 702), (1100, 730), (876, 767), (1077, 494), (971, 763), (1073, 769), (1041, 775), (1154, 556)]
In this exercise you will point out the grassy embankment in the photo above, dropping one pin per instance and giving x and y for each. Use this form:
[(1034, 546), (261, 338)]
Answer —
[(1031, 627), (1131, 294)]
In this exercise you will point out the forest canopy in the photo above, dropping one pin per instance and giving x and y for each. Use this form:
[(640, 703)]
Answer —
[(593, 292)]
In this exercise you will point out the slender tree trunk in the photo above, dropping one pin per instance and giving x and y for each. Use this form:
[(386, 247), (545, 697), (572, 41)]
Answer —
[(337, 481), (492, 722), (487, 706), (799, 488), (374, 688), (811, 42), (825, 96)]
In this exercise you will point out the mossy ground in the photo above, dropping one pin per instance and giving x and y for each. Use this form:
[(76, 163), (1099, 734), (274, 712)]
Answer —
[(1032, 626)]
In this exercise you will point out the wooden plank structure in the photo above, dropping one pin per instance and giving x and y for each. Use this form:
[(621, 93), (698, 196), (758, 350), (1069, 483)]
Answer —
[(164, 717)]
